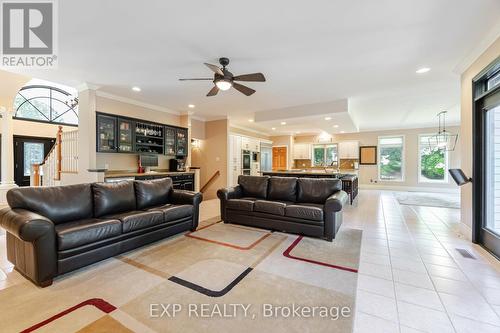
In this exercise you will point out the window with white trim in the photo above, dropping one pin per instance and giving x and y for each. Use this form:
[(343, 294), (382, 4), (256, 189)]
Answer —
[(325, 155), (391, 158), (432, 161)]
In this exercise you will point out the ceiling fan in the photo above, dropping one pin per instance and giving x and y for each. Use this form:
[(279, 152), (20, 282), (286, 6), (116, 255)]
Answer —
[(224, 79)]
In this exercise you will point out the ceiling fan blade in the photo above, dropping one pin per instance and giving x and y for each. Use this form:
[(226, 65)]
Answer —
[(243, 89), (254, 77), (197, 79), (214, 69), (213, 91)]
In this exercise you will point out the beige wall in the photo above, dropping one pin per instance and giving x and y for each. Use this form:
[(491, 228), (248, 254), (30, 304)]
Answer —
[(368, 174), (197, 129), (129, 161), (212, 156), (466, 124)]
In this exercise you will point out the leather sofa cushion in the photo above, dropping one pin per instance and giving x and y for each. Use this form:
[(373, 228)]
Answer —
[(150, 193), (58, 203), (113, 198), (254, 186), (174, 212), (316, 190), (81, 232), (282, 188), (270, 207), (240, 204), (305, 211), (136, 220)]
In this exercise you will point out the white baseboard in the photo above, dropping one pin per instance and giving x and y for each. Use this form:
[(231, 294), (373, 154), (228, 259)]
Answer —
[(408, 188)]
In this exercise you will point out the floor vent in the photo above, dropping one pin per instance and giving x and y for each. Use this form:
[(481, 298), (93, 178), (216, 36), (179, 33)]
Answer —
[(465, 253)]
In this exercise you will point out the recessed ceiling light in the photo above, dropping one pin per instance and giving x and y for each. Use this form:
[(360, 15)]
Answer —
[(283, 123), (422, 70), (335, 126), (328, 118), (136, 89), (250, 120), (191, 106), (342, 131), (273, 128)]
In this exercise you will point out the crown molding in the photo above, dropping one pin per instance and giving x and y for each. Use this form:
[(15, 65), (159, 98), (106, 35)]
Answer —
[(136, 102), (86, 86), (478, 49), (249, 130)]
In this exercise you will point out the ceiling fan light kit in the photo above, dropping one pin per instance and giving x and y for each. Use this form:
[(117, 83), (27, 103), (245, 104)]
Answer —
[(443, 139), (224, 79)]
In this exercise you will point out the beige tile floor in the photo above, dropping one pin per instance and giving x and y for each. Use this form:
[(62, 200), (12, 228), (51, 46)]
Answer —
[(411, 278)]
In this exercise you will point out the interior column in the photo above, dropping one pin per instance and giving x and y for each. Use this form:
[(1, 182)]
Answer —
[(7, 181)]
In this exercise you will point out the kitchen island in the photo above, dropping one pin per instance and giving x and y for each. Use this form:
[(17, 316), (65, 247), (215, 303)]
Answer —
[(349, 178)]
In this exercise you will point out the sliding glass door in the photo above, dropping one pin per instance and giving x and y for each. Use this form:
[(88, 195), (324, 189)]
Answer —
[(486, 178)]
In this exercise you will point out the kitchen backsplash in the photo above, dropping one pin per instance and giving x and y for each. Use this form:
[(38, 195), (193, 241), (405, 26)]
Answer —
[(348, 163)]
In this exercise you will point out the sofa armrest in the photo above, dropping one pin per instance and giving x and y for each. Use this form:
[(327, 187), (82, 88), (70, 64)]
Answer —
[(336, 201), (25, 225), (186, 197), (182, 197), (31, 244), (228, 193), (235, 192)]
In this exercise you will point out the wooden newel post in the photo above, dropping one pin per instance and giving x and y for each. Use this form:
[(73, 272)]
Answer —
[(59, 153), (36, 174)]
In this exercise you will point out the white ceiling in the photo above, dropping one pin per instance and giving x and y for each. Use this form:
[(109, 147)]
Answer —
[(310, 52)]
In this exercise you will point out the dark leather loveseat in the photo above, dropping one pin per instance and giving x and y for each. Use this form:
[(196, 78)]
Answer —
[(307, 206), (54, 230)]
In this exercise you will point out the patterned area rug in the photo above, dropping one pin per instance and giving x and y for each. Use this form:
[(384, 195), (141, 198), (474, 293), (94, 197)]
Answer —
[(446, 200), (222, 277)]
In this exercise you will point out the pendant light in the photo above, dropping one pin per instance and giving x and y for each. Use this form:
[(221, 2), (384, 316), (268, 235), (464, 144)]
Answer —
[(443, 139)]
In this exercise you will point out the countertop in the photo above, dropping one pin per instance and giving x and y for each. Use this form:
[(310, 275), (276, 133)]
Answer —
[(122, 174), (314, 172)]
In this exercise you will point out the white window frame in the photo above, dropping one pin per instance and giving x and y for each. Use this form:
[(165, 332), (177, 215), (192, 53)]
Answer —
[(419, 163), (324, 156), (403, 158)]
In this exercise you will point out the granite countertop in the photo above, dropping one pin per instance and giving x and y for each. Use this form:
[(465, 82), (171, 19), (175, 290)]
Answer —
[(313, 172), (120, 174)]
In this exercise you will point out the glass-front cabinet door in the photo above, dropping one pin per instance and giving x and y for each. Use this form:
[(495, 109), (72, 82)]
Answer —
[(170, 136), (182, 142), (125, 136), (106, 134)]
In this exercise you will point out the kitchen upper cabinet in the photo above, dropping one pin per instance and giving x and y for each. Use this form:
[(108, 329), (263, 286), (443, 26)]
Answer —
[(245, 143), (302, 151), (349, 150), (170, 139), (255, 145), (182, 142), (125, 136), (106, 134)]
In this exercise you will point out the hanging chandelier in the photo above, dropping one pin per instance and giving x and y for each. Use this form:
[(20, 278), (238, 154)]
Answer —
[(443, 139)]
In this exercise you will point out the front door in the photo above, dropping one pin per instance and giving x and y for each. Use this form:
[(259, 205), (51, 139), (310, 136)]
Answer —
[(29, 151)]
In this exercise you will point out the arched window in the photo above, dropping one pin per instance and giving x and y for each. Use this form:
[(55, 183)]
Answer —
[(45, 103)]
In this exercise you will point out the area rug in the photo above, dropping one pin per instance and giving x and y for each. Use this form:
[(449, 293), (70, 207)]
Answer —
[(445, 200), (222, 277)]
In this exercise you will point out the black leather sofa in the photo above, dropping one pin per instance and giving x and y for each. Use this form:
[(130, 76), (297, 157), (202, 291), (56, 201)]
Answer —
[(54, 230), (307, 206)]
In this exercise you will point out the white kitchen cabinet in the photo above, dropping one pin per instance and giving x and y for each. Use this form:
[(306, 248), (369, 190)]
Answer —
[(349, 150), (245, 142), (254, 145), (234, 161), (301, 151)]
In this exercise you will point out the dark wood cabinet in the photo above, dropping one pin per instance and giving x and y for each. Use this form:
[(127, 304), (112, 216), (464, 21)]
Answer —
[(170, 140), (117, 134), (106, 134), (125, 136), (182, 142)]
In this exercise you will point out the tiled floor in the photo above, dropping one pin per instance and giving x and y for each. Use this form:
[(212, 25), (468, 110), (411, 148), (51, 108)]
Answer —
[(411, 277)]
